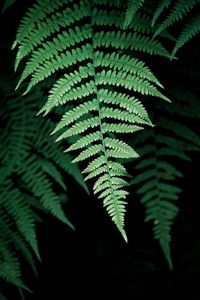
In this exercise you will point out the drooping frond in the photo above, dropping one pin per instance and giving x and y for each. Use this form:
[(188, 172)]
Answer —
[(99, 87)]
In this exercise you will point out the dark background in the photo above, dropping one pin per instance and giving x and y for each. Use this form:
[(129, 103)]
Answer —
[(94, 262)]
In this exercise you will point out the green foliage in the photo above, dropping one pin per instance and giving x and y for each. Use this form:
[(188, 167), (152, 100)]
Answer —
[(92, 58), (30, 163)]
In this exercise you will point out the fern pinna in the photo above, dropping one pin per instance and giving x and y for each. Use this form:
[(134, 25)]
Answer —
[(99, 74)]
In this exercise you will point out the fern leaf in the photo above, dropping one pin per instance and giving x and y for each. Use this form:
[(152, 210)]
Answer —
[(191, 29), (81, 50), (75, 113), (161, 7), (85, 141), (133, 6), (129, 82), (95, 164), (131, 104), (97, 172), (93, 150), (182, 132), (65, 85), (35, 15), (156, 196), (51, 170), (125, 63), (119, 128), (10, 269), (30, 164), (40, 186), (103, 18), (157, 175), (80, 127), (133, 41), (120, 146), (35, 36), (178, 11), (22, 215)]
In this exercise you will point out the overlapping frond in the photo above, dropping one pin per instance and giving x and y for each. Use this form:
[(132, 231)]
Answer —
[(132, 8), (30, 163), (156, 182), (163, 4), (191, 29), (178, 10)]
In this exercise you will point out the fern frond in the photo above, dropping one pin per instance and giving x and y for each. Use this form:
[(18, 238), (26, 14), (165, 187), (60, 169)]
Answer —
[(21, 213), (97, 63), (190, 29), (179, 10), (183, 133), (9, 262), (157, 175), (10, 269), (156, 192), (51, 170), (55, 154), (132, 8), (30, 163), (161, 7)]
